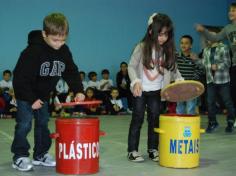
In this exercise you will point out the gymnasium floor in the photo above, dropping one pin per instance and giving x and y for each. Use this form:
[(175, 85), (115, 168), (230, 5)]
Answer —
[(217, 156)]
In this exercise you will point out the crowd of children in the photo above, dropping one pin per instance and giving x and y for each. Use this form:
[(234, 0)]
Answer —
[(115, 100)]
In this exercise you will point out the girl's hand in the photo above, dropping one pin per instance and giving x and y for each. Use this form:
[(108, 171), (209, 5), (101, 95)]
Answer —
[(137, 89), (37, 104), (79, 97)]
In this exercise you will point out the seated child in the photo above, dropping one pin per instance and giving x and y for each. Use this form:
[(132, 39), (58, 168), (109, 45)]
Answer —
[(82, 77), (54, 109), (91, 109), (2, 103), (115, 105), (62, 89), (11, 109), (105, 85), (6, 83)]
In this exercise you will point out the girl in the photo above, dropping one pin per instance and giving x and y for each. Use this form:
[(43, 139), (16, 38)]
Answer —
[(152, 66), (91, 109)]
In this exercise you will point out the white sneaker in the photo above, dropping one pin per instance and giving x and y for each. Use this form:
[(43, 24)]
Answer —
[(22, 164), (46, 160), (153, 155), (135, 157), (235, 124)]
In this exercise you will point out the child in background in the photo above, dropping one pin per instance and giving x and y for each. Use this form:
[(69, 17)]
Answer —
[(70, 110), (93, 82), (91, 109), (115, 105), (6, 83), (82, 77), (123, 85), (229, 33), (152, 66), (53, 107), (2, 104), (216, 60), (62, 89), (42, 63), (11, 108), (105, 83), (189, 70)]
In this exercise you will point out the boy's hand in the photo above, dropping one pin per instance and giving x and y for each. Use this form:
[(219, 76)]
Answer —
[(79, 97), (214, 67), (37, 104), (199, 28)]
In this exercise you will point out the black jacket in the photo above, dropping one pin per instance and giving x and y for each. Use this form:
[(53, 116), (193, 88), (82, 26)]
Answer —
[(40, 67)]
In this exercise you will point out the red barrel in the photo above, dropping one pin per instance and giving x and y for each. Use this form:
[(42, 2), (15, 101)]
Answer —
[(77, 145)]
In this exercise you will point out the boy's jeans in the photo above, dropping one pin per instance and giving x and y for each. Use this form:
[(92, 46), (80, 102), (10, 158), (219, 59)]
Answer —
[(187, 107), (223, 90), (42, 141)]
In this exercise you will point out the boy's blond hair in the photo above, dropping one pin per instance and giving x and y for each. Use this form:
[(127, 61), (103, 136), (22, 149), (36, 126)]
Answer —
[(55, 24)]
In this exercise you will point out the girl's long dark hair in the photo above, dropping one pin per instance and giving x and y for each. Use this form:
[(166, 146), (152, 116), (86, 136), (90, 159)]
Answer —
[(150, 40)]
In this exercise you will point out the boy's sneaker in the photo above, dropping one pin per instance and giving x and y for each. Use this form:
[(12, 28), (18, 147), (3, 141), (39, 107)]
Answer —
[(212, 126), (135, 157), (46, 160), (22, 164), (153, 155), (229, 128)]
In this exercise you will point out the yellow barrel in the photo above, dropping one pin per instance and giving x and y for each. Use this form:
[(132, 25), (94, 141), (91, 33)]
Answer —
[(179, 140)]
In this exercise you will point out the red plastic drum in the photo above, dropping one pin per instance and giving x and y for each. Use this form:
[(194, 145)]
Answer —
[(77, 145)]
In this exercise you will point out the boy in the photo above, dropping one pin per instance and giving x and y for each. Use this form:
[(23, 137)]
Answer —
[(189, 70), (115, 105), (6, 83), (216, 61), (105, 83), (40, 66), (229, 33)]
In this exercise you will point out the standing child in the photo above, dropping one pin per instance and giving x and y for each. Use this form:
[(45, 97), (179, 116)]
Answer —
[(216, 61), (229, 33), (40, 66), (151, 67), (189, 70)]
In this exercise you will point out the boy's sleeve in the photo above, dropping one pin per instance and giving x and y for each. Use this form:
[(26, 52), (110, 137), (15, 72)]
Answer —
[(214, 37), (225, 58), (71, 75), (24, 76)]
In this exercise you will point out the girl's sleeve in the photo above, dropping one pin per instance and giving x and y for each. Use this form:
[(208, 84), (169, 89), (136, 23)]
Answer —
[(133, 66)]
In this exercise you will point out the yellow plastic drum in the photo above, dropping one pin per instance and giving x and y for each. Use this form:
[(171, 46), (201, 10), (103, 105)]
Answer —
[(179, 145)]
